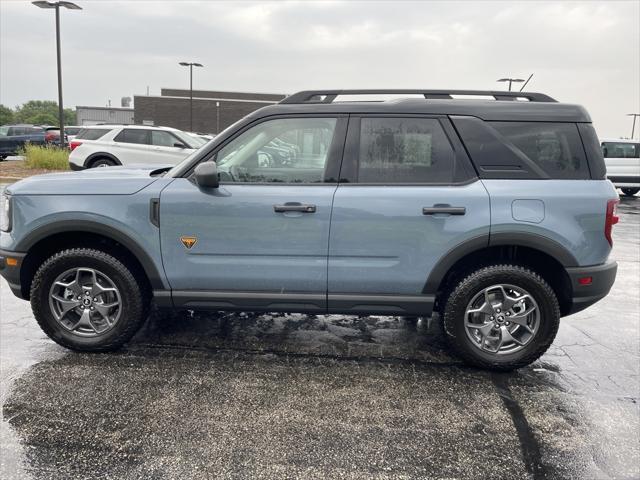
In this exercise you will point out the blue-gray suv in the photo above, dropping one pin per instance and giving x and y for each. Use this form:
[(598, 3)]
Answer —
[(494, 212)]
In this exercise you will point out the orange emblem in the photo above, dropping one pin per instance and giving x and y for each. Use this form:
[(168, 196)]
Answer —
[(188, 242)]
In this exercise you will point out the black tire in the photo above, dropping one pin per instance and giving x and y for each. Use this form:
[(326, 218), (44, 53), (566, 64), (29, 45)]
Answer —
[(462, 294), (134, 299), (103, 162), (630, 192)]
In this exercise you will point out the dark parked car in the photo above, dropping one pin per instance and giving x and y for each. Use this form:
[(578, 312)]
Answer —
[(13, 137)]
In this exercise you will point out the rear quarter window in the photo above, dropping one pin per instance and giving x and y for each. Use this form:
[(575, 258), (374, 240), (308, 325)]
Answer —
[(554, 147), (524, 150), (91, 133)]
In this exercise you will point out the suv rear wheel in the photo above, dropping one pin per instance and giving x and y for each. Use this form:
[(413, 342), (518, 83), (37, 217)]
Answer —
[(630, 192), (501, 317), (86, 299)]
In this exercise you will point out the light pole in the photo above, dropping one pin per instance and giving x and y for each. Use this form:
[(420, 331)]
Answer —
[(57, 5), (633, 128), (191, 65), (510, 80)]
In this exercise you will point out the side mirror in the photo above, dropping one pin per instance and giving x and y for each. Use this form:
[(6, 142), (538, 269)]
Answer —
[(179, 145), (206, 175)]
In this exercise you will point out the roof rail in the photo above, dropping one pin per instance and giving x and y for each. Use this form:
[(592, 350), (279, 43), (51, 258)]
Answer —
[(328, 96)]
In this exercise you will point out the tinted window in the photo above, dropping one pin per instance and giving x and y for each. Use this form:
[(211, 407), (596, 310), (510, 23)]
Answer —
[(131, 135), (91, 133), (161, 138), (71, 130), (556, 148), (404, 150), (293, 150), (620, 150)]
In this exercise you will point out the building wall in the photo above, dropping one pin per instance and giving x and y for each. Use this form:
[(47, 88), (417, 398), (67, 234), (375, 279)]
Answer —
[(179, 92), (213, 111), (93, 115)]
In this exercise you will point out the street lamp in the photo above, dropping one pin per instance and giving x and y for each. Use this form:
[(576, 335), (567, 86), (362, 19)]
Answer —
[(57, 5), (190, 65), (510, 80), (633, 128)]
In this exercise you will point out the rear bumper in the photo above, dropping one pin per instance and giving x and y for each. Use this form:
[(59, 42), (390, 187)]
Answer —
[(602, 279), (75, 167), (11, 273)]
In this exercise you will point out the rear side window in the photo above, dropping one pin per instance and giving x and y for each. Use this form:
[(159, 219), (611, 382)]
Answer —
[(404, 150), (91, 133), (71, 130), (131, 135), (620, 150)]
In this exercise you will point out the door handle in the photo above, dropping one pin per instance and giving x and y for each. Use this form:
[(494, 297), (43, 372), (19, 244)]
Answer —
[(295, 207), (446, 209)]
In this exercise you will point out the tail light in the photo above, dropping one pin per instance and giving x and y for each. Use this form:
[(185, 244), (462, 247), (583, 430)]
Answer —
[(611, 219), (74, 144)]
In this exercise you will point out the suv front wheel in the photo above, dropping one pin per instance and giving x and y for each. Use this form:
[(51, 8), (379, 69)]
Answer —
[(88, 300), (501, 317)]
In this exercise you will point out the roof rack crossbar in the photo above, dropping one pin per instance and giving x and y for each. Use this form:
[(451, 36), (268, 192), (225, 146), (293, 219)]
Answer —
[(329, 96)]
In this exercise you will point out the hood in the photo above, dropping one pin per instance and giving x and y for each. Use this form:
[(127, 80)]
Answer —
[(95, 181)]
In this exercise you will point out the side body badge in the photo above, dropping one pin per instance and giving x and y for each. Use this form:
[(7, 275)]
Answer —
[(188, 242)]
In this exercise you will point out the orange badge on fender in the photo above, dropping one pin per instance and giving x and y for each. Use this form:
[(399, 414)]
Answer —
[(189, 242)]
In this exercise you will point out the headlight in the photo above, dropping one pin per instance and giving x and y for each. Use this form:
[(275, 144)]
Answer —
[(5, 213)]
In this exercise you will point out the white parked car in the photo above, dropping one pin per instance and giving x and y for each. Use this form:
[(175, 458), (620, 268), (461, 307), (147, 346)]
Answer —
[(622, 159), (109, 145)]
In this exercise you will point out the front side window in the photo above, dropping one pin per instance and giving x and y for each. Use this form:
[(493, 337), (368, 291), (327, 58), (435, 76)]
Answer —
[(554, 147), (160, 138), (292, 150), (620, 150), (404, 150), (131, 135)]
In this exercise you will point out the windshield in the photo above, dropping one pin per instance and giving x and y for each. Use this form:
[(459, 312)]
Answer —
[(188, 139), (4, 131), (195, 140)]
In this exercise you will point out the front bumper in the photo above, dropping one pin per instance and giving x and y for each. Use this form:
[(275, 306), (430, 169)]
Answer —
[(602, 279), (11, 271)]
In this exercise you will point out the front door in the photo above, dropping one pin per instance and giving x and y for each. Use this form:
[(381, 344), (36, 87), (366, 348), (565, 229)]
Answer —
[(260, 240), (411, 198)]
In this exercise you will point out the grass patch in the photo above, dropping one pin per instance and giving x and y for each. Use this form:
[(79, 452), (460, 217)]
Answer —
[(46, 157)]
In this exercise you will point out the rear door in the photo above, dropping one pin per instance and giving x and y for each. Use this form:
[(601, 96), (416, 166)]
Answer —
[(407, 196)]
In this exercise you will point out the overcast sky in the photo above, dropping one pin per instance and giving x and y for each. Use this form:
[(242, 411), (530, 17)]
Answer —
[(587, 53)]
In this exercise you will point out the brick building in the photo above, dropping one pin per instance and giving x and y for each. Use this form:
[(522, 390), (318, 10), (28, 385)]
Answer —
[(213, 111)]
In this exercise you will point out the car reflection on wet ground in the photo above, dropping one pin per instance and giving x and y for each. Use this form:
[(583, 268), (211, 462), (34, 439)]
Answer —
[(202, 395)]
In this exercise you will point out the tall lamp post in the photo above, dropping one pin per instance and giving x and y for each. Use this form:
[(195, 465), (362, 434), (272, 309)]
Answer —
[(633, 128), (191, 65), (57, 5), (510, 80)]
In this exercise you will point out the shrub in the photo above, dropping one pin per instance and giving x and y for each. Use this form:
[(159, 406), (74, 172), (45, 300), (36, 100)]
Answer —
[(48, 157)]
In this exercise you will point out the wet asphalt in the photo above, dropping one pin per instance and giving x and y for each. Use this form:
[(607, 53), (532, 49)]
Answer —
[(226, 395)]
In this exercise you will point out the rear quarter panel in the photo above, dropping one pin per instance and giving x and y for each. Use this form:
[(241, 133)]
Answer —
[(573, 213)]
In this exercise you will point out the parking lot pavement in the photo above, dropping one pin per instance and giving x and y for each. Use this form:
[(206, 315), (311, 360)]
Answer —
[(286, 395)]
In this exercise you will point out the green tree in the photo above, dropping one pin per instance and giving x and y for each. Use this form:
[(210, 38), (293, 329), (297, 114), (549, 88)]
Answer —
[(6, 115), (43, 112)]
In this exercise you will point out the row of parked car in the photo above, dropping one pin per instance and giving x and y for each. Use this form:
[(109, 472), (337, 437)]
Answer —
[(14, 137)]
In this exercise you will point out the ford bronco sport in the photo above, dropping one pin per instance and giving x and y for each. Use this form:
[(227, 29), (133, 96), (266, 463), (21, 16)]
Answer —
[(495, 212)]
